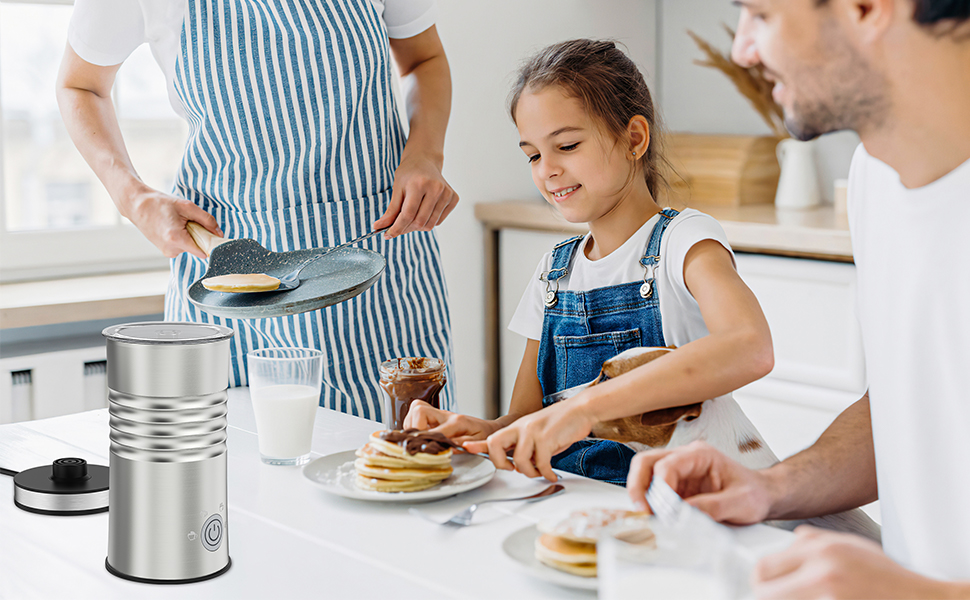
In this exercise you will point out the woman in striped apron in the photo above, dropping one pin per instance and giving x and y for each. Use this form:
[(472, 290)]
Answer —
[(295, 142)]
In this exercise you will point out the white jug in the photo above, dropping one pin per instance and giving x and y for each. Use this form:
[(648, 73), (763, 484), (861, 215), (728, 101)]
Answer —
[(798, 185)]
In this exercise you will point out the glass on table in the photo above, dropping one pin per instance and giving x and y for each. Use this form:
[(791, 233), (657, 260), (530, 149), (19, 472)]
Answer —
[(404, 380), (284, 384), (634, 562)]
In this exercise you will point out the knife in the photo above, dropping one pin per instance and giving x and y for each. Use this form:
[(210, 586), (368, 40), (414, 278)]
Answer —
[(567, 393)]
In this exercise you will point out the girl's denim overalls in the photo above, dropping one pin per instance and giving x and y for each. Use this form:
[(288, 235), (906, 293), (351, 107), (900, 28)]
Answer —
[(581, 330)]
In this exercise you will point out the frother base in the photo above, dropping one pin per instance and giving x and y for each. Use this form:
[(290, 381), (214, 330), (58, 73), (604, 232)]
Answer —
[(117, 573)]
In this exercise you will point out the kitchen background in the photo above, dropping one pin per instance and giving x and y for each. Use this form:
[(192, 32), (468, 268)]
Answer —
[(53, 205)]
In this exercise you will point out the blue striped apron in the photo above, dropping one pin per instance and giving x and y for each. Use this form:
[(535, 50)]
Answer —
[(294, 140)]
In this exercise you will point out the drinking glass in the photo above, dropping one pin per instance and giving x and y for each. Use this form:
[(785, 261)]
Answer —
[(285, 387), (672, 565)]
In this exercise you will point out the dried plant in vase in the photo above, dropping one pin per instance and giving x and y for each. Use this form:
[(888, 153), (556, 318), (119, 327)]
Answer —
[(750, 81)]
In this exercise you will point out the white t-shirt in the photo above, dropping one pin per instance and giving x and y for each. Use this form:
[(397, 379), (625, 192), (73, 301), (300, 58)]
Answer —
[(680, 314), (105, 32), (913, 259)]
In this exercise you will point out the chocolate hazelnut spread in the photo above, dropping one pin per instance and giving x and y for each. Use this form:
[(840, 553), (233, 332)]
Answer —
[(407, 379), (415, 441)]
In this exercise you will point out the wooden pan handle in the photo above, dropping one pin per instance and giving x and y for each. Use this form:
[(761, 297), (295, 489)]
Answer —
[(205, 240)]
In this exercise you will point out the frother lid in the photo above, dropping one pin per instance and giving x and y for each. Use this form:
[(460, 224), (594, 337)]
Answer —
[(159, 332), (68, 486)]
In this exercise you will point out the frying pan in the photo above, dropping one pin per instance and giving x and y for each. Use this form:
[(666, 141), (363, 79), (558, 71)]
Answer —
[(335, 277)]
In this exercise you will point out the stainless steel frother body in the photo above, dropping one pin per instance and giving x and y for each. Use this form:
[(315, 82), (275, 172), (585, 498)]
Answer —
[(167, 518)]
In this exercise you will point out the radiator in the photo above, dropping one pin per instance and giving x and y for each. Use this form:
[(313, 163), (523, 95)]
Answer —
[(50, 384)]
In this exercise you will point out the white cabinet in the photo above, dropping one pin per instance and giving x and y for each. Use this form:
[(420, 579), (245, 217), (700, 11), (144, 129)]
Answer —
[(819, 368)]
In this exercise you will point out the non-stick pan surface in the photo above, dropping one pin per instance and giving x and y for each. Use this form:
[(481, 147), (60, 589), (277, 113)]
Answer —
[(338, 276)]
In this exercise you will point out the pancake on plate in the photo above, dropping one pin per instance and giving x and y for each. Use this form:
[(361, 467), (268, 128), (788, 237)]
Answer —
[(569, 544), (403, 461)]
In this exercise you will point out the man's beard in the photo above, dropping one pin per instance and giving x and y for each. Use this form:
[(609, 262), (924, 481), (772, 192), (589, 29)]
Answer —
[(848, 93)]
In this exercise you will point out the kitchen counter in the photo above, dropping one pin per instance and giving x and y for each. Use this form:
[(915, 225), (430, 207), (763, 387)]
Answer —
[(289, 538), (68, 300), (820, 233)]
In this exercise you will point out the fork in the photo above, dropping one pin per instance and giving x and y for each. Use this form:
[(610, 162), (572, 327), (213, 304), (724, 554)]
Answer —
[(291, 280), (665, 503), (464, 517)]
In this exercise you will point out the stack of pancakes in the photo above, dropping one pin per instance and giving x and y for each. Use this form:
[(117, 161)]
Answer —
[(402, 461), (570, 544)]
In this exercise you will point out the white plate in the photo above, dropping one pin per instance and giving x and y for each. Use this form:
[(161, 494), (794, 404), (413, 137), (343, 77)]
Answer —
[(520, 546), (335, 474)]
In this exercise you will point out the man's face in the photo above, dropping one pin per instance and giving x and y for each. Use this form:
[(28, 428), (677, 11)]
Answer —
[(822, 81)]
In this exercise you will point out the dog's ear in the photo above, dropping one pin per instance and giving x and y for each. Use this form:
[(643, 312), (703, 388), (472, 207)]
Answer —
[(630, 359), (669, 416), (654, 428)]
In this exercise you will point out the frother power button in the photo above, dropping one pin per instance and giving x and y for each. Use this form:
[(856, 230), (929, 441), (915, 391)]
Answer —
[(212, 533)]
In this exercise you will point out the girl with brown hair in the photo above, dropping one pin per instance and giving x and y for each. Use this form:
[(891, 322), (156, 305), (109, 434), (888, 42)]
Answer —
[(644, 276)]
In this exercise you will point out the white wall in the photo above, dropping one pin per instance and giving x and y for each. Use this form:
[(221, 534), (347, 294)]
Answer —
[(486, 40)]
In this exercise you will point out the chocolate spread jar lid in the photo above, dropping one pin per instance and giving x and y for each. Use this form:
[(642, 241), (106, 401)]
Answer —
[(160, 332)]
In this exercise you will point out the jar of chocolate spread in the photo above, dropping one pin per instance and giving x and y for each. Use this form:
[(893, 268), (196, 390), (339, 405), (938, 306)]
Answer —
[(406, 379)]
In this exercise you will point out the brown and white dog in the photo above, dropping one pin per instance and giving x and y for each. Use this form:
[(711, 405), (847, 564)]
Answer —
[(719, 422)]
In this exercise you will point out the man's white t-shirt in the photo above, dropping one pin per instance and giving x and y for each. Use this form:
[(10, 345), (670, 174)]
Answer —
[(913, 266), (680, 314), (105, 32)]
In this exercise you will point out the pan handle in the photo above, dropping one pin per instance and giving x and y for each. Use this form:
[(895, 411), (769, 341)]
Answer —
[(203, 238)]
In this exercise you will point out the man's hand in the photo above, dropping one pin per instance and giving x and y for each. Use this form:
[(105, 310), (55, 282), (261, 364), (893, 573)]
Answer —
[(822, 564), (421, 198), (706, 479), (536, 437), (457, 428)]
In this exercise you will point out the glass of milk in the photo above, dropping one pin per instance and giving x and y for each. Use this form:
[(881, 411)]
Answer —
[(667, 565), (284, 384)]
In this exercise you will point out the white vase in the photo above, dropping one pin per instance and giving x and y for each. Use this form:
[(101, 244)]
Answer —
[(798, 185)]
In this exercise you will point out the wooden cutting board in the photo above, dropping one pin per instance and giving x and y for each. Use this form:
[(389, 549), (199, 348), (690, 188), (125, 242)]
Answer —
[(721, 170)]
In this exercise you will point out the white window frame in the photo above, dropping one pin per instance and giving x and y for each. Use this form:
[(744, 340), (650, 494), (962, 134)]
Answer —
[(52, 254)]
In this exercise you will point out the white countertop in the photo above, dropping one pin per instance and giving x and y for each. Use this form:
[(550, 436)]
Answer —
[(289, 538)]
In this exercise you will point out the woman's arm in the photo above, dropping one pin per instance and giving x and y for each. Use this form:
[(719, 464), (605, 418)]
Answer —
[(422, 198), (84, 98)]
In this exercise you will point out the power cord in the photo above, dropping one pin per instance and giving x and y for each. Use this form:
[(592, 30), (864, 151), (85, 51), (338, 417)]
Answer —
[(8, 472)]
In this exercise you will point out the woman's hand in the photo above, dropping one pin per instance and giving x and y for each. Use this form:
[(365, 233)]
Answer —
[(162, 217), (457, 428), (537, 437), (421, 198)]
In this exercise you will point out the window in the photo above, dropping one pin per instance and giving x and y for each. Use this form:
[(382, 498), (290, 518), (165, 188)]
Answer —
[(56, 218)]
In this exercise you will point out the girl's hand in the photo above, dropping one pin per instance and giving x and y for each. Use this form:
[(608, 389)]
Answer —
[(421, 198), (457, 428), (162, 217), (537, 437)]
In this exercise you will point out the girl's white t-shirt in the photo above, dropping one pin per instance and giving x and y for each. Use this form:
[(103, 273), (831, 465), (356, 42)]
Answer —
[(106, 32), (680, 314)]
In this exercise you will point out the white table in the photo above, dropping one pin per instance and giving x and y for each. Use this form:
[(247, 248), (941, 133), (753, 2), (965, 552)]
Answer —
[(288, 538)]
